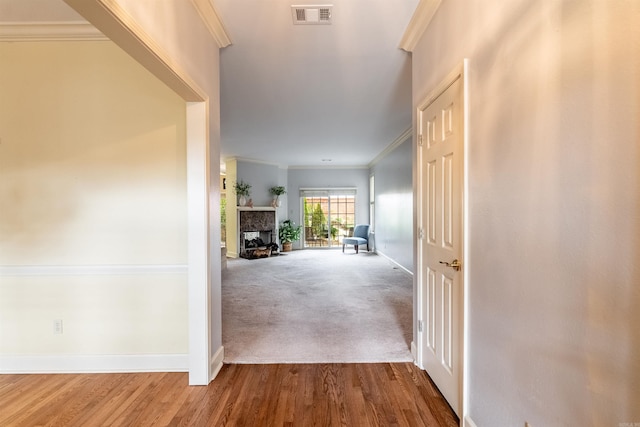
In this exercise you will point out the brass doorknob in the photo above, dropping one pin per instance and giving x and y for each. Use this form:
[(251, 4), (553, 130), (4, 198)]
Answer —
[(455, 264)]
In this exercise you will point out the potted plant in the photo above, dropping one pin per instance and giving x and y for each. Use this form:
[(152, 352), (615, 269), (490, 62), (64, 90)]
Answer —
[(242, 191), (276, 192), (288, 232)]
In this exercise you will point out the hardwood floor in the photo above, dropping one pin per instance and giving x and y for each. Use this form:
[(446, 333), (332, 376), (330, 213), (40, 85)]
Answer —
[(380, 394)]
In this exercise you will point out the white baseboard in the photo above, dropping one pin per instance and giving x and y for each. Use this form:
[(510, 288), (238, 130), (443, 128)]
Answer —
[(467, 422), (414, 352), (394, 262), (216, 363), (77, 364)]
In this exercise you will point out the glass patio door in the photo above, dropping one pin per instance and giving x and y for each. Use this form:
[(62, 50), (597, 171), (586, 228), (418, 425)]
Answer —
[(328, 216)]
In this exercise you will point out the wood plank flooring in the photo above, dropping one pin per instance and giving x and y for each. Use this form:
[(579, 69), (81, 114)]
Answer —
[(378, 394)]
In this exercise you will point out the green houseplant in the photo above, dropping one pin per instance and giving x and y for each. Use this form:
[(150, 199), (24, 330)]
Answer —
[(288, 232), (276, 192), (242, 191)]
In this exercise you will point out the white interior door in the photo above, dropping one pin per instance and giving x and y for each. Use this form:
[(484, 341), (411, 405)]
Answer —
[(440, 245)]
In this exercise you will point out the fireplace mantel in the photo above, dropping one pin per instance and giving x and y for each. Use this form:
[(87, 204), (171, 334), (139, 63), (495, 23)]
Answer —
[(255, 208)]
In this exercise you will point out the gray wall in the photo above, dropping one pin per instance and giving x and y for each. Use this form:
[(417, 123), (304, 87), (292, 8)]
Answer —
[(394, 205), (327, 178), (263, 176), (554, 205)]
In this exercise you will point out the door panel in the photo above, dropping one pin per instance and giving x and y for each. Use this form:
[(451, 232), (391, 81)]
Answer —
[(431, 195), (447, 324), (431, 311), (440, 163), (447, 201)]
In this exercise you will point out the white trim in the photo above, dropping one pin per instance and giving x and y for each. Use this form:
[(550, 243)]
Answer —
[(409, 272), (199, 237), (457, 73), (468, 422), (216, 363), (404, 136), (419, 24), (212, 21), (49, 31), (67, 364), (255, 209), (414, 353), (90, 270), (466, 275), (247, 160)]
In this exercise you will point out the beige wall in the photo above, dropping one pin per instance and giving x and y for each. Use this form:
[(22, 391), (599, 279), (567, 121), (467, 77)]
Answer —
[(92, 179), (170, 39), (554, 204)]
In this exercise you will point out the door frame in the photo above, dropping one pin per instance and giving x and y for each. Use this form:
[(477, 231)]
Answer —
[(459, 72)]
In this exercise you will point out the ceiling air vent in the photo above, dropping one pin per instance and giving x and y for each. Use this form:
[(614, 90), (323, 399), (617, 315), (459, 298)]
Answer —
[(308, 14)]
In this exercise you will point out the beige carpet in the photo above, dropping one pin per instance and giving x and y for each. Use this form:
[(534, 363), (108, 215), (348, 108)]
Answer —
[(315, 306)]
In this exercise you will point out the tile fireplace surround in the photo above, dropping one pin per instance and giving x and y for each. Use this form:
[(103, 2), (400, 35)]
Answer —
[(256, 219)]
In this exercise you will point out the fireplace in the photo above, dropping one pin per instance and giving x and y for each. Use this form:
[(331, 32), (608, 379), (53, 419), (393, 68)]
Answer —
[(257, 244), (256, 232)]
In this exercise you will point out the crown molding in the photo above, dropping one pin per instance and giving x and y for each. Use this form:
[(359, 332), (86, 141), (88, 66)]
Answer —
[(419, 23), (248, 160), (212, 20), (49, 31), (395, 144)]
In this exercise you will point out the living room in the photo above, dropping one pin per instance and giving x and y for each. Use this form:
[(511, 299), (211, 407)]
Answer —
[(391, 229)]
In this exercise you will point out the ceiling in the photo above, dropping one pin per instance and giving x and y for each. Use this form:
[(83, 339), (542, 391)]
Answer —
[(300, 95)]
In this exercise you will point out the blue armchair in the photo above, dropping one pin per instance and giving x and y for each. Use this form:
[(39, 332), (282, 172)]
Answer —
[(360, 237)]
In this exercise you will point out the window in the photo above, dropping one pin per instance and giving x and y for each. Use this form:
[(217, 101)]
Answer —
[(328, 216), (372, 203)]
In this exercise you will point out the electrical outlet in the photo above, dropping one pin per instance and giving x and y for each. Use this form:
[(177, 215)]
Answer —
[(57, 326)]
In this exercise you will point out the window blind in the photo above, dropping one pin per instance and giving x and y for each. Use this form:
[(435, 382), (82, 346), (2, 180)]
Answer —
[(326, 192)]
